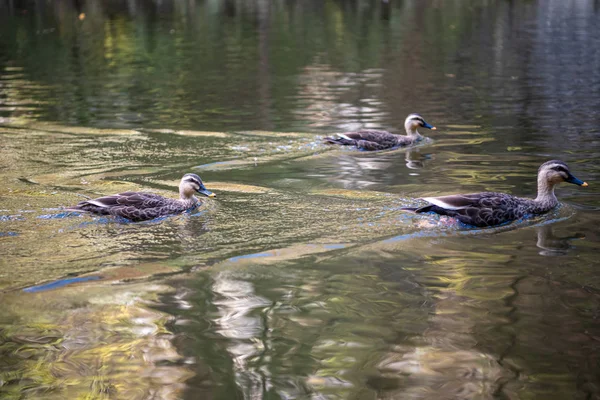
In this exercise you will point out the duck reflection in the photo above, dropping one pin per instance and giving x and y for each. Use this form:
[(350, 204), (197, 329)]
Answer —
[(552, 245), (538, 321), (182, 234), (415, 160), (445, 360), (239, 321), (386, 10), (359, 173)]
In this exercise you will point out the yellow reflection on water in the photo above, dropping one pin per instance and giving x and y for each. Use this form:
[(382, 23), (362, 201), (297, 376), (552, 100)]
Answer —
[(92, 342)]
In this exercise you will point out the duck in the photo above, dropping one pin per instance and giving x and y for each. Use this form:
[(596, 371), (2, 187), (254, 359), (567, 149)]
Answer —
[(143, 206), (488, 209), (371, 140)]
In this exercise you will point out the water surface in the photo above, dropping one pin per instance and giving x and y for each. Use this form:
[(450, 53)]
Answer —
[(302, 279)]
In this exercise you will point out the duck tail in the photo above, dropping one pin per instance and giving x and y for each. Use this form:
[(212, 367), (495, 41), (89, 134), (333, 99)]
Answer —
[(85, 207), (74, 209), (341, 139), (418, 210)]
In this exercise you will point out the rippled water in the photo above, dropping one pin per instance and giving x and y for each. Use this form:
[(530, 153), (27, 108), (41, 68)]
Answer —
[(302, 279)]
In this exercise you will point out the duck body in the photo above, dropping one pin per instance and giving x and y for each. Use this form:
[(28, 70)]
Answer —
[(142, 206), (371, 140), (135, 206), (487, 209)]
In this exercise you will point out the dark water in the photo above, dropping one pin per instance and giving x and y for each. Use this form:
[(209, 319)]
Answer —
[(302, 279)]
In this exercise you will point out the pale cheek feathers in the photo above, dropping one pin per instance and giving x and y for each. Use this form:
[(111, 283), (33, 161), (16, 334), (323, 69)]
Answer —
[(557, 177), (189, 189)]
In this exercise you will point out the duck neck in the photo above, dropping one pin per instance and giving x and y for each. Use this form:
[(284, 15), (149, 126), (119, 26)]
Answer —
[(545, 193), (186, 196), (413, 133)]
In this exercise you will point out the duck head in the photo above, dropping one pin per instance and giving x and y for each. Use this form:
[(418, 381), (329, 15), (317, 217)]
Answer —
[(190, 184), (414, 121), (555, 171)]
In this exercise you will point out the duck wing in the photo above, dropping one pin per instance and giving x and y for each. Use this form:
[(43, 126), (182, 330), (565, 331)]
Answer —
[(366, 139), (372, 136), (146, 206), (478, 209), (135, 206), (137, 200), (460, 201)]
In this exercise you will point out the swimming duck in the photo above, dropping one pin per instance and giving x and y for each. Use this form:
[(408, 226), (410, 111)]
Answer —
[(381, 140), (140, 206), (489, 208)]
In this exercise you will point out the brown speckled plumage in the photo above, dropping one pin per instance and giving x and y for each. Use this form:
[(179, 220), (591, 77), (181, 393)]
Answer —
[(371, 140), (491, 208), (140, 206)]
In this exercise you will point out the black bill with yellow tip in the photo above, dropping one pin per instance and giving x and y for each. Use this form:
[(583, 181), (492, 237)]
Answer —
[(205, 191), (572, 179)]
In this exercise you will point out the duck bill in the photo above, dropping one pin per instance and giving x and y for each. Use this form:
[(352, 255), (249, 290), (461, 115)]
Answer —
[(206, 192), (575, 181), (426, 125)]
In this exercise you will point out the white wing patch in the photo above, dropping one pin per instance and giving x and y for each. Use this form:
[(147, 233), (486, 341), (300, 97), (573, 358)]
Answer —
[(344, 136), (440, 203), (97, 203)]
